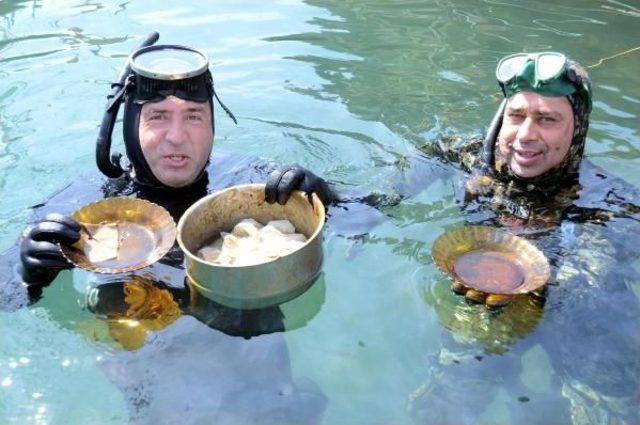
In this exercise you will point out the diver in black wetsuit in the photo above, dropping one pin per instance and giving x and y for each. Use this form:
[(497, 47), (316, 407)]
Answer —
[(168, 133)]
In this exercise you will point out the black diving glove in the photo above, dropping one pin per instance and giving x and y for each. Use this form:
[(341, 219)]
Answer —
[(40, 258), (284, 180)]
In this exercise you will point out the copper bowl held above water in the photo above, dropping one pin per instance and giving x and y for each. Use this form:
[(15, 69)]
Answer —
[(136, 233), (489, 265), (259, 285)]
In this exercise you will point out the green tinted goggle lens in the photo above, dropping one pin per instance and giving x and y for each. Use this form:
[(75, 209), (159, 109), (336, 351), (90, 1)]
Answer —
[(548, 65)]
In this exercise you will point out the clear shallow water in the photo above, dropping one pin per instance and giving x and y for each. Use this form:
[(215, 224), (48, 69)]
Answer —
[(344, 88)]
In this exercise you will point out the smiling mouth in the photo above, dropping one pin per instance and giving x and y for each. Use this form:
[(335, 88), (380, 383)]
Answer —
[(526, 157)]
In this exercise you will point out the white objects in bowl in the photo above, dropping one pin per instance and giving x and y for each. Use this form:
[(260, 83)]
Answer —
[(251, 243)]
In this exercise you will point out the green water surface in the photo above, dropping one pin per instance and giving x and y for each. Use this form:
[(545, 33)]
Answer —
[(342, 87)]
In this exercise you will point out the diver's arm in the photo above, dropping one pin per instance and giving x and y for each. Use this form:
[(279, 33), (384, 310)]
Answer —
[(351, 211), (609, 208), (14, 294), (596, 313), (352, 214), (40, 257), (23, 267), (404, 181), (457, 150), (32, 264), (231, 168), (440, 161), (282, 181)]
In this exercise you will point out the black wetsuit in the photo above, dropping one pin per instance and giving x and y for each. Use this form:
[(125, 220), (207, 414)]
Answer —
[(213, 364), (587, 232)]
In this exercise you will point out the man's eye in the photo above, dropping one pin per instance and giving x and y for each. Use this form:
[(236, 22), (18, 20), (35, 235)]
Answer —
[(155, 117), (516, 116), (547, 120), (194, 117)]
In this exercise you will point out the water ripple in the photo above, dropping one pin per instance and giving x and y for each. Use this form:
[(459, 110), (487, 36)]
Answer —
[(175, 17)]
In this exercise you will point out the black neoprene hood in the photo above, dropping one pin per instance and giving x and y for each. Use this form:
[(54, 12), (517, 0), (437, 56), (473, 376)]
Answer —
[(151, 74)]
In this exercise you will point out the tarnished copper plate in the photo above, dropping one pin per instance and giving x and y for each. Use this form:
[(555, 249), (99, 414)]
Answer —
[(120, 235), (490, 261), (493, 271)]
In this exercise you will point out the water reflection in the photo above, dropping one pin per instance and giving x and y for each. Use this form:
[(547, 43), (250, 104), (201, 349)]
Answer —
[(495, 330), (181, 346), (8, 11), (135, 308), (388, 63)]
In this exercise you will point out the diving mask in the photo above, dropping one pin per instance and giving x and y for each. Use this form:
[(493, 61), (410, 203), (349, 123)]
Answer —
[(168, 70), (545, 73), (169, 62), (151, 74)]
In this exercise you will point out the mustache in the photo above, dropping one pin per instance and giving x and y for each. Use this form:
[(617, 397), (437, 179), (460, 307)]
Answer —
[(531, 146)]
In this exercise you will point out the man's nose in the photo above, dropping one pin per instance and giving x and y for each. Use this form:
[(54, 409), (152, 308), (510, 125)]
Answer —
[(528, 130), (175, 132)]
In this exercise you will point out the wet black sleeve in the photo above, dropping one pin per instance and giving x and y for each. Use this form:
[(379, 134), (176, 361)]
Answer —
[(13, 292)]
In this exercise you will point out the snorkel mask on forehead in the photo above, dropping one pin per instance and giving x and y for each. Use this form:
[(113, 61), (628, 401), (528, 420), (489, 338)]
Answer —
[(549, 74), (168, 70), (546, 73), (151, 74)]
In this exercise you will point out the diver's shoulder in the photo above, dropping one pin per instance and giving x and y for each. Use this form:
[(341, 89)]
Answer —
[(593, 175), (80, 191), (227, 168), (602, 189), (463, 150)]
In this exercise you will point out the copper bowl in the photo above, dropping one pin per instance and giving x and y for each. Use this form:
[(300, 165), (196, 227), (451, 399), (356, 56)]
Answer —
[(488, 265), (145, 233), (259, 285)]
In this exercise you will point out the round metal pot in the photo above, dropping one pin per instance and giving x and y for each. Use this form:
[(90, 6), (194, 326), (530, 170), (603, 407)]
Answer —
[(260, 285)]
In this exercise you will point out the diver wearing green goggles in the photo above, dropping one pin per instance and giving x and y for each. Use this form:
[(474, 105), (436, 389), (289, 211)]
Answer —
[(546, 73), (543, 91), (534, 145), (528, 176)]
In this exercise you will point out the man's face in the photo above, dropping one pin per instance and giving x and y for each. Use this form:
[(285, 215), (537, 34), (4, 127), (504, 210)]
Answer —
[(176, 137), (536, 133)]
